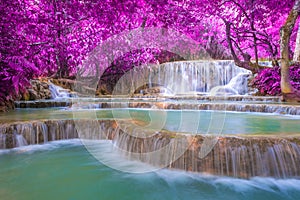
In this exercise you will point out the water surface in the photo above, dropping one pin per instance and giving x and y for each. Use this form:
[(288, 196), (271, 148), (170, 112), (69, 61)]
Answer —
[(190, 121), (65, 170)]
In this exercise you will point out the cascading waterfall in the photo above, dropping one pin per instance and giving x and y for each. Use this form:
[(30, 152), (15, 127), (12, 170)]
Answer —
[(37, 132), (60, 97), (182, 77), (58, 92), (231, 156), (20, 140), (2, 140), (243, 156), (238, 85)]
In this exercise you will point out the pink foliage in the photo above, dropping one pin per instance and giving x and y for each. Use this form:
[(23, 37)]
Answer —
[(52, 38)]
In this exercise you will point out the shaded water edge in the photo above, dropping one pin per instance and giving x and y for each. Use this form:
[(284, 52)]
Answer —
[(237, 156)]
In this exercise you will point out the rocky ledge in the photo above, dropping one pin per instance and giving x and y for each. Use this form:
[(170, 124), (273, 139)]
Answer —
[(242, 156)]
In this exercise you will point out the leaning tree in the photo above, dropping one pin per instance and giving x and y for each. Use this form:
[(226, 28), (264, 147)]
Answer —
[(289, 93)]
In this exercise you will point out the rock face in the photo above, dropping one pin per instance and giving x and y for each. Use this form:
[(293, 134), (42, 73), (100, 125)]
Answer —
[(39, 89), (81, 88), (152, 91), (64, 83), (42, 104), (6, 105)]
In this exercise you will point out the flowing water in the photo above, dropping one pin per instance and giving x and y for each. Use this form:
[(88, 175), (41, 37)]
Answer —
[(184, 77), (192, 121), (176, 139), (247, 145), (65, 170), (58, 92)]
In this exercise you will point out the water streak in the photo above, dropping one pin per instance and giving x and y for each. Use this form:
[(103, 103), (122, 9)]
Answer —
[(58, 92)]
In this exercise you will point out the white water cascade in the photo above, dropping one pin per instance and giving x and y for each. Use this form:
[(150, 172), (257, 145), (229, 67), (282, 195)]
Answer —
[(20, 140), (58, 92), (238, 85), (184, 77), (2, 140)]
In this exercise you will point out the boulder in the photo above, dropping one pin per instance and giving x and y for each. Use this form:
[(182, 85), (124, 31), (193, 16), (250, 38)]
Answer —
[(33, 94), (38, 89), (6, 105)]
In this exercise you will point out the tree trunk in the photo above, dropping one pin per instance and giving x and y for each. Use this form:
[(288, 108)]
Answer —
[(246, 64), (296, 57), (288, 92)]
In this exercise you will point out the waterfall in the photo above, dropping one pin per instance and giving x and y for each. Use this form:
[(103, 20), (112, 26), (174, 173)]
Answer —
[(184, 77), (39, 132), (36, 132), (20, 140), (58, 92), (238, 85), (243, 156), (2, 141)]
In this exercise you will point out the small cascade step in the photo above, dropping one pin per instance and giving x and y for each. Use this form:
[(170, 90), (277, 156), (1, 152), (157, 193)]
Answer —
[(105, 102), (241, 106), (39, 132), (42, 104), (58, 92)]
